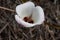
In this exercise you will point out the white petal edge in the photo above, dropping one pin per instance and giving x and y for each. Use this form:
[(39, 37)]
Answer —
[(25, 9), (41, 17), (25, 24), (38, 15)]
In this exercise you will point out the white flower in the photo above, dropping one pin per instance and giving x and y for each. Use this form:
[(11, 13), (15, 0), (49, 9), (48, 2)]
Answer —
[(25, 10)]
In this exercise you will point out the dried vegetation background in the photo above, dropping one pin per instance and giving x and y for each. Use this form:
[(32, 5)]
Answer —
[(11, 30)]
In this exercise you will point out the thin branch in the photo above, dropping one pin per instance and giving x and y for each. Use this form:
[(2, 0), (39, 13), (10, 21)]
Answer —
[(23, 1), (13, 38), (55, 26), (7, 9), (31, 32), (13, 32), (4, 28), (55, 1), (0, 38), (25, 35), (9, 35), (41, 37), (51, 32)]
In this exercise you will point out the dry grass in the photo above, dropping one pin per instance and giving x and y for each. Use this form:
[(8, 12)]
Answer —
[(11, 30)]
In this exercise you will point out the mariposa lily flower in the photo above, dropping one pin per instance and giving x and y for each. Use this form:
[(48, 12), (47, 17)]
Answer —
[(28, 15)]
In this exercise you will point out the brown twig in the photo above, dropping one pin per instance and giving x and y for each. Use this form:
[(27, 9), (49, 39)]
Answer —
[(13, 38), (4, 28), (41, 37), (13, 32), (50, 31), (23, 1), (7, 9), (25, 35), (55, 26), (55, 1), (31, 32), (0, 38), (9, 35)]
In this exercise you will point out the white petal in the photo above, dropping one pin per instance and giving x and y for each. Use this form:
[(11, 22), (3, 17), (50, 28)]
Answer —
[(25, 9), (20, 21), (38, 15)]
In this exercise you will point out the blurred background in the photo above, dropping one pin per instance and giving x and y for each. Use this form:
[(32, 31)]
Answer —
[(11, 30)]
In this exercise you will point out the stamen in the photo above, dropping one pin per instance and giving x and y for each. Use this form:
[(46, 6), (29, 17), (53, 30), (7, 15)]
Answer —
[(28, 19), (25, 19)]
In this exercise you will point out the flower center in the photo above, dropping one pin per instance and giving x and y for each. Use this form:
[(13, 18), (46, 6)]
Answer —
[(28, 19)]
